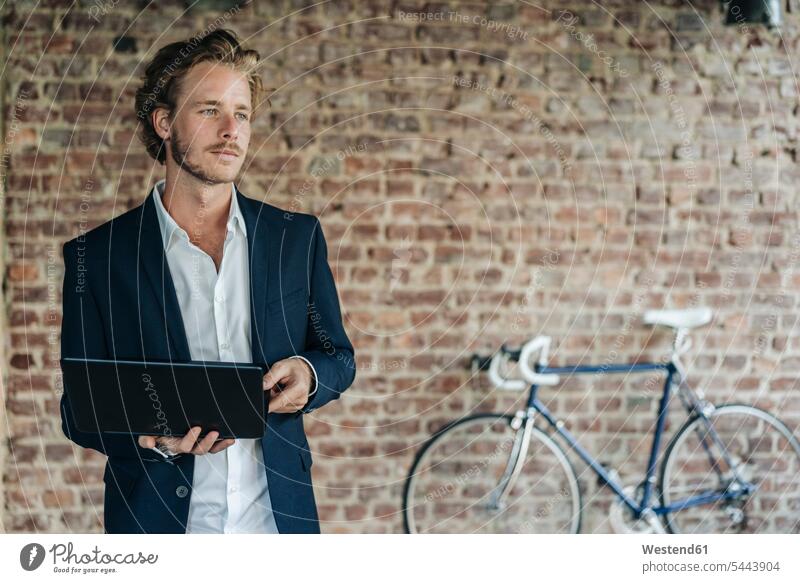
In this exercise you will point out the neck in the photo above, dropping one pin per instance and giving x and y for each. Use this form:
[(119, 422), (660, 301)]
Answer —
[(198, 208)]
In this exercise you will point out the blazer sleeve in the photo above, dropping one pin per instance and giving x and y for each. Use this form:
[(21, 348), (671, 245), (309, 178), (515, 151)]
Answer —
[(83, 336), (328, 348)]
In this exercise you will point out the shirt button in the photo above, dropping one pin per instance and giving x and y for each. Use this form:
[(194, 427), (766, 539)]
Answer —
[(224, 346), (181, 491), (234, 489), (219, 298)]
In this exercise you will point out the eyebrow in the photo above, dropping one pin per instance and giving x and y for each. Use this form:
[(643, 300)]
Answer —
[(239, 106)]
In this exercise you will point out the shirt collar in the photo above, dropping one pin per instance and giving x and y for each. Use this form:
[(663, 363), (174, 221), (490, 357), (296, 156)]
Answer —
[(170, 229)]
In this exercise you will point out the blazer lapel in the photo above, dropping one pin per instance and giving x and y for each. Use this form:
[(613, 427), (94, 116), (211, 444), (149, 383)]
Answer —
[(153, 260), (263, 243)]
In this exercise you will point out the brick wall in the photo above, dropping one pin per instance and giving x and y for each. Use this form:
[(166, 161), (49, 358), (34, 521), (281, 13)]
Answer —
[(555, 169), (3, 310)]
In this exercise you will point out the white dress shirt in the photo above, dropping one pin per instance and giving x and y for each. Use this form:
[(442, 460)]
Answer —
[(229, 491)]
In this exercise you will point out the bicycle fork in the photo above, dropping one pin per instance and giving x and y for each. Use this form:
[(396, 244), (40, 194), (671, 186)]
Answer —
[(523, 425)]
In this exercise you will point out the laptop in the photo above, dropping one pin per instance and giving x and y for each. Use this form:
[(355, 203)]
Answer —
[(166, 398)]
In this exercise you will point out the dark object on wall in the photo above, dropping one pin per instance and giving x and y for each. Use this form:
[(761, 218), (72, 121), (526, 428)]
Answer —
[(753, 12), (125, 44)]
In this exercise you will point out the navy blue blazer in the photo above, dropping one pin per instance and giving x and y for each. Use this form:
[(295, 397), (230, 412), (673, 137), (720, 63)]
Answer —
[(119, 302)]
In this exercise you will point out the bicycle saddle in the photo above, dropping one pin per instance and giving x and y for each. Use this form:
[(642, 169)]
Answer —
[(689, 318)]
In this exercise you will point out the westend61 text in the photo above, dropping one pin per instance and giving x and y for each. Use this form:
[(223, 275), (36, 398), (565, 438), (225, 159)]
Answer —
[(675, 550)]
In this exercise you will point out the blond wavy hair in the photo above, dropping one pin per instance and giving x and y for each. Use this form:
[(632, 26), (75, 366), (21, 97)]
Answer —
[(163, 74)]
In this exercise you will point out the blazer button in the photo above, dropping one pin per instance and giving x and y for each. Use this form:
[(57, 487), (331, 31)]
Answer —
[(181, 491)]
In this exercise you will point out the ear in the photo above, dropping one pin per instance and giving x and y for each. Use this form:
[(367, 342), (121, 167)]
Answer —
[(161, 125)]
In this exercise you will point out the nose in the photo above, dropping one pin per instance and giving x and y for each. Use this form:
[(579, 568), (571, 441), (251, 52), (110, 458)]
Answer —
[(228, 128)]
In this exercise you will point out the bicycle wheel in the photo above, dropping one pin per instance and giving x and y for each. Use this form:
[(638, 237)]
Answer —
[(761, 449), (453, 479)]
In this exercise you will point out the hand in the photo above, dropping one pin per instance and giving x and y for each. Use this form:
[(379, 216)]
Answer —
[(188, 443), (288, 382)]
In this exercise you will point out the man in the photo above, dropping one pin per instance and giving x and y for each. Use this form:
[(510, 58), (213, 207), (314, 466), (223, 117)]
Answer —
[(200, 272)]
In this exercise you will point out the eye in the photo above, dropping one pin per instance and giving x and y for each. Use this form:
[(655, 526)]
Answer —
[(207, 110), (243, 116)]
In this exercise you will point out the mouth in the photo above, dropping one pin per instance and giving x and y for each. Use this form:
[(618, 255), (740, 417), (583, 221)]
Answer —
[(225, 154)]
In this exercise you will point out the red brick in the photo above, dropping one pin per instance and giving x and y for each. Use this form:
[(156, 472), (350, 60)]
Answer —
[(484, 213)]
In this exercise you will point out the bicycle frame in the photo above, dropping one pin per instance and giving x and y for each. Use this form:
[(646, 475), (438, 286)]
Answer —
[(534, 405)]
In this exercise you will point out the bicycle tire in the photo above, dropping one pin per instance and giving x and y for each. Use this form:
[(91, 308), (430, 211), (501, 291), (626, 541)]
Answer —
[(691, 423), (438, 436)]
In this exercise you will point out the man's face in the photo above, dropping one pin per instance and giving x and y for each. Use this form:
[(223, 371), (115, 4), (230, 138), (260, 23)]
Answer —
[(212, 115)]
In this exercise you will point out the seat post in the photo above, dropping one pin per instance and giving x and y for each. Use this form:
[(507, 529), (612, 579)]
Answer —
[(680, 345), (678, 342)]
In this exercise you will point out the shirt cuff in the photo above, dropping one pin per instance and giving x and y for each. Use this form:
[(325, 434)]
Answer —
[(166, 453), (313, 374)]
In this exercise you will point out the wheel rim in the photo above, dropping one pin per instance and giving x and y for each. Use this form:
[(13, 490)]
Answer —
[(450, 486), (763, 451)]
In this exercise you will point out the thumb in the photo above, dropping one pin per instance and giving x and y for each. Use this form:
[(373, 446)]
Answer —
[(278, 372), (147, 441)]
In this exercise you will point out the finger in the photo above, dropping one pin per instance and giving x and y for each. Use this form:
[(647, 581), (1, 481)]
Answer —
[(278, 402), (206, 443), (147, 441), (222, 444), (290, 400), (187, 443), (278, 372)]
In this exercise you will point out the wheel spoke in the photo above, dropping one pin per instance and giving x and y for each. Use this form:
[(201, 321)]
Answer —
[(457, 476), (760, 451)]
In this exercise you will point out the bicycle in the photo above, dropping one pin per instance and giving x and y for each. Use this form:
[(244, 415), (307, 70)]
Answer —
[(732, 468)]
